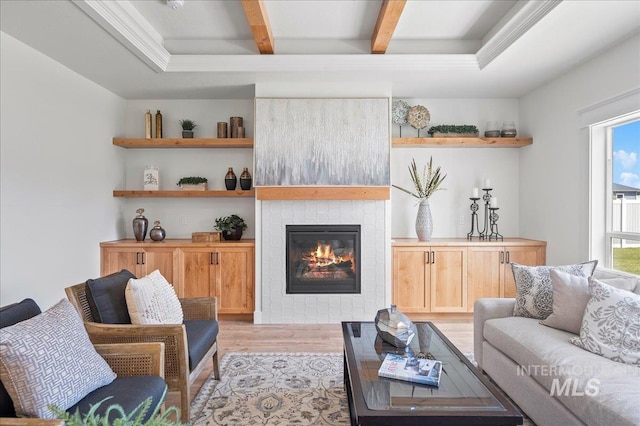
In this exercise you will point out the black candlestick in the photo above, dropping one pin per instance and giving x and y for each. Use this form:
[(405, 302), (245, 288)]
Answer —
[(474, 218), (493, 217)]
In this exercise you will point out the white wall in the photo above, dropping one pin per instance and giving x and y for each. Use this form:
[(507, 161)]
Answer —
[(182, 216), (466, 168), (554, 170), (58, 171)]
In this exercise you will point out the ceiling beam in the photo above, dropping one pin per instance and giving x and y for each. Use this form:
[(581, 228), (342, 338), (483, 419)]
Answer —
[(256, 13), (388, 18)]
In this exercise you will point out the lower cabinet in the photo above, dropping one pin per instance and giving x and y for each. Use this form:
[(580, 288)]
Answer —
[(429, 279), (224, 269), (449, 275)]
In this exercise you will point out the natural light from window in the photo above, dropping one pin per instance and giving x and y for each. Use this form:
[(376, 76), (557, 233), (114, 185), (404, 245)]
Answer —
[(623, 193)]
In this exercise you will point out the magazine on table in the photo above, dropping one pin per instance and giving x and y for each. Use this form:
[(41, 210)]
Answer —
[(411, 369)]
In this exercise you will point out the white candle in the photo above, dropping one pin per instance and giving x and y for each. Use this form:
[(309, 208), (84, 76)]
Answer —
[(487, 183), (494, 202), (475, 193)]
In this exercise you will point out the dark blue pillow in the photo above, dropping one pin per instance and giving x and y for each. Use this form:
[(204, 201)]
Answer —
[(10, 315), (106, 299)]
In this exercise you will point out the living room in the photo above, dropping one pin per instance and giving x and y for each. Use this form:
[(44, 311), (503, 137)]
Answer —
[(58, 182)]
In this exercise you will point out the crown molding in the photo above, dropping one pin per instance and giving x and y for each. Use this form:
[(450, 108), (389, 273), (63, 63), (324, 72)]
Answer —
[(123, 21), (520, 20), (321, 63)]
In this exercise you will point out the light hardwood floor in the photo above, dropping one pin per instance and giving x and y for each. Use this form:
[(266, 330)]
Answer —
[(244, 336)]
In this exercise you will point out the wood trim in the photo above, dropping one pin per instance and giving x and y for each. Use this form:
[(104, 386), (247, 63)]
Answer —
[(184, 143), (323, 193), (463, 242), (182, 194), (461, 142), (258, 19), (388, 18)]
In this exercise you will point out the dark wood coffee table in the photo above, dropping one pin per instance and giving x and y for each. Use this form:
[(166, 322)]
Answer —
[(464, 396)]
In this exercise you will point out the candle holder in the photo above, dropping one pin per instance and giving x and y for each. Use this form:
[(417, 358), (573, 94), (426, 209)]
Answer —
[(493, 217), (474, 218), (487, 199)]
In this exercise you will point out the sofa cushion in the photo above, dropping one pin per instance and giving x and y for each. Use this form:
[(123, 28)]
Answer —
[(611, 324), (49, 359), (534, 293), (152, 300), (570, 298), (200, 336), (128, 392), (106, 298), (562, 366), (618, 279), (10, 315)]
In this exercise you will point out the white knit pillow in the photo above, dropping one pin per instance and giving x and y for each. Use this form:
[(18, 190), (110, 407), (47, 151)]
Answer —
[(152, 300)]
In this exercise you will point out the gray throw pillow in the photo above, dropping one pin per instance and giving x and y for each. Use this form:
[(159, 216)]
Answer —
[(106, 298), (534, 292), (570, 298), (611, 324), (49, 359)]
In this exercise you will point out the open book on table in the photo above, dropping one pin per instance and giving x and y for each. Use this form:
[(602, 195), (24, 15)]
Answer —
[(411, 369)]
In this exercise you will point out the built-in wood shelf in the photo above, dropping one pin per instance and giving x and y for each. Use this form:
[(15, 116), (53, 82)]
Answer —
[(323, 193), (461, 142), (184, 143), (183, 194)]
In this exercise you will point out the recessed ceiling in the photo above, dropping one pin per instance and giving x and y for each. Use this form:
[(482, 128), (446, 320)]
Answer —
[(477, 48)]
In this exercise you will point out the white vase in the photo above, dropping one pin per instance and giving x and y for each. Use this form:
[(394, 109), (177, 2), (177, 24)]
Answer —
[(424, 222)]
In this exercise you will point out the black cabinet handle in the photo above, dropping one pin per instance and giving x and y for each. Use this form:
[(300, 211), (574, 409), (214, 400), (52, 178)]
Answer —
[(144, 260), (501, 257), (433, 257), (508, 257), (426, 258)]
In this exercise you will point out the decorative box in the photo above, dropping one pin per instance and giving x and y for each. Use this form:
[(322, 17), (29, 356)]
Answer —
[(205, 237)]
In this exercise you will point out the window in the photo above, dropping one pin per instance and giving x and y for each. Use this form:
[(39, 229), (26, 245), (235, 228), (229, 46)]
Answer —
[(615, 192)]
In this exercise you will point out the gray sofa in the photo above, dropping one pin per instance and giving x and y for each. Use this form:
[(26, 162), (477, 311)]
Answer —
[(553, 381)]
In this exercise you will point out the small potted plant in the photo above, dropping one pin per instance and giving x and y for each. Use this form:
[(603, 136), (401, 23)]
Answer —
[(453, 131), (231, 226), (193, 183), (187, 128)]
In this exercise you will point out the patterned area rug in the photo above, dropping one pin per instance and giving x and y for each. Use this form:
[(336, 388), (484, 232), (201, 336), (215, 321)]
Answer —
[(274, 389)]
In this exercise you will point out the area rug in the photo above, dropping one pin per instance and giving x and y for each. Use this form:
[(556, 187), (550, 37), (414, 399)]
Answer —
[(274, 389)]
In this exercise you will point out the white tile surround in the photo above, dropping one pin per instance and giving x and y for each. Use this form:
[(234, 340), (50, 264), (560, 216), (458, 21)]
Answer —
[(277, 307)]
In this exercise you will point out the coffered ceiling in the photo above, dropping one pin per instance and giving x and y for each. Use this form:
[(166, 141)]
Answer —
[(423, 48)]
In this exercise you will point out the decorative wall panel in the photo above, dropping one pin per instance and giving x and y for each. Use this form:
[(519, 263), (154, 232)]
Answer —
[(304, 142)]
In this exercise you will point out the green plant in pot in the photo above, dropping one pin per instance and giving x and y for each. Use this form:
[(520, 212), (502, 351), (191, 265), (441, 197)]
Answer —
[(193, 182), (187, 127), (231, 226)]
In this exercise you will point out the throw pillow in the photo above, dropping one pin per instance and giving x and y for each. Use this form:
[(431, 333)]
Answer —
[(534, 293), (152, 300), (611, 324), (570, 298), (49, 359), (106, 298)]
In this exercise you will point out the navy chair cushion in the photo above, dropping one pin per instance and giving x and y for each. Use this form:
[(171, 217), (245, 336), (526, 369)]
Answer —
[(10, 315), (128, 392), (106, 298), (200, 336)]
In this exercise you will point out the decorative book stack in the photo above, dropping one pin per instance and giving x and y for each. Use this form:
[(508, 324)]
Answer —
[(411, 369)]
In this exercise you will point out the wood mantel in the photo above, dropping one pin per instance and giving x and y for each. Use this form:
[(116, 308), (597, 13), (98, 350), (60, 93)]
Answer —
[(323, 193)]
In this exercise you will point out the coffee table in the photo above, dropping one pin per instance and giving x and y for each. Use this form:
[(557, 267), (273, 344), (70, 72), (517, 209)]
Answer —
[(464, 396)]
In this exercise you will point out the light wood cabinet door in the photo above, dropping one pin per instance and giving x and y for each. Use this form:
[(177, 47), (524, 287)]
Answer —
[(234, 279), (164, 259), (530, 256), (115, 259), (448, 283), (410, 279), (485, 270), (197, 272)]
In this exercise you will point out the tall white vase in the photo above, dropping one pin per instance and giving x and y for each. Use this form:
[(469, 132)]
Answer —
[(424, 222)]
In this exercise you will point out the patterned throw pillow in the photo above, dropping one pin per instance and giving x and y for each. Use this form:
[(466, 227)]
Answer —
[(49, 359), (534, 292), (152, 300), (611, 324)]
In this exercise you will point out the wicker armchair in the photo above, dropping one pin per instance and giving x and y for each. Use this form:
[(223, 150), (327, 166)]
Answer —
[(176, 364)]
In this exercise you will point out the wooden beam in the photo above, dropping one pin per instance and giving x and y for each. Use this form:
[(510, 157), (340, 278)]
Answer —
[(388, 18), (256, 13), (323, 193)]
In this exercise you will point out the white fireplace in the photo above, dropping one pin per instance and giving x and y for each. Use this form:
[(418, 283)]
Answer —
[(276, 306)]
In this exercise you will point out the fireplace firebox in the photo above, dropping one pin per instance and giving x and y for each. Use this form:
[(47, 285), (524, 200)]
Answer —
[(323, 259)]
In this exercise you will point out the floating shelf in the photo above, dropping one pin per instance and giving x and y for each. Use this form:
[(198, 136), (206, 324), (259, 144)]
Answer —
[(472, 142), (184, 143), (183, 194)]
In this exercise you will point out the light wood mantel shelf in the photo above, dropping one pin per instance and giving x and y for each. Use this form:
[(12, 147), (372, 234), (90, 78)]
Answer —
[(461, 142), (183, 194), (184, 143), (323, 193)]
